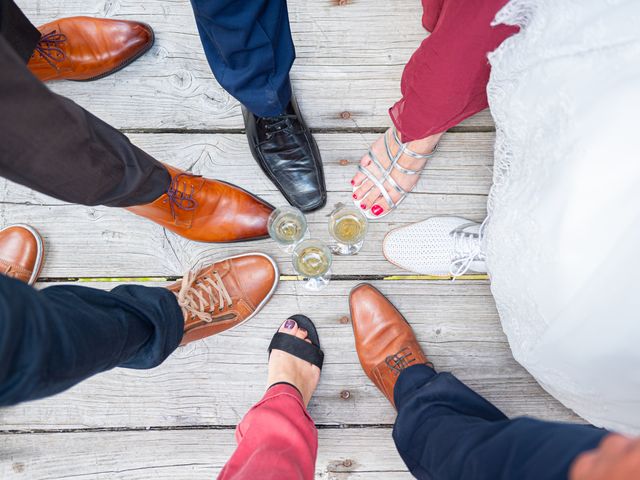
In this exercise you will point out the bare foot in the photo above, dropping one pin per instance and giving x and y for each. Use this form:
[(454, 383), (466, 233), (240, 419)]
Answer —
[(284, 367), (368, 194)]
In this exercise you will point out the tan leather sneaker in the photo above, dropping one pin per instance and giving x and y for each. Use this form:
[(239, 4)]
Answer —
[(385, 342), (226, 294), (21, 253), (85, 48), (207, 210)]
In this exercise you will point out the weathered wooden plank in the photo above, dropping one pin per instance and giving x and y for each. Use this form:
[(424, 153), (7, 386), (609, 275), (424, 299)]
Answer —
[(215, 381), (101, 241), (356, 454), (347, 73)]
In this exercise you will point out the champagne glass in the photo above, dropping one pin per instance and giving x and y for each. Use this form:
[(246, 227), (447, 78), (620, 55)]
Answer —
[(287, 226), (312, 260), (348, 226)]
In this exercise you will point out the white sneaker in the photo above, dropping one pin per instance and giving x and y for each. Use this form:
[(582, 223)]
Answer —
[(443, 246)]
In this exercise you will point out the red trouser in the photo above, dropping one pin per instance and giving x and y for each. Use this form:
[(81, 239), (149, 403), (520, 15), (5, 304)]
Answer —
[(276, 440), (446, 79)]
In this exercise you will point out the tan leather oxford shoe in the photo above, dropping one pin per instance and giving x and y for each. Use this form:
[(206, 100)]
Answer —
[(21, 253), (85, 48), (385, 342), (226, 294), (207, 210)]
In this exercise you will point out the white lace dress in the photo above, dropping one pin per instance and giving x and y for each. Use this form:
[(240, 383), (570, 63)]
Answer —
[(563, 236)]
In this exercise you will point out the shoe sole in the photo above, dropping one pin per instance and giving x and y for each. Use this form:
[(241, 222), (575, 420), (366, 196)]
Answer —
[(37, 267), (127, 62)]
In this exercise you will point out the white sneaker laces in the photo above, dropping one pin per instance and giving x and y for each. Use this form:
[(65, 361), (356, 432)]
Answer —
[(467, 249), (198, 298)]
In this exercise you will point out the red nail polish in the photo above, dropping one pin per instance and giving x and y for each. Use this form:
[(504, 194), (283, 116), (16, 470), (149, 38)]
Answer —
[(377, 210), (363, 206), (352, 182), (355, 197)]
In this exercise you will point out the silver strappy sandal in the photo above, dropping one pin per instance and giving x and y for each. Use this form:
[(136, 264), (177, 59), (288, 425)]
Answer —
[(386, 173)]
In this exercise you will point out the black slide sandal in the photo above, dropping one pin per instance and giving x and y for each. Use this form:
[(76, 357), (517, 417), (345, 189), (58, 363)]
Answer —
[(297, 347)]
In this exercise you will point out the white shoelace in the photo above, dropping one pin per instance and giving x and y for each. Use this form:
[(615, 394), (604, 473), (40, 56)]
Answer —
[(467, 249), (199, 298)]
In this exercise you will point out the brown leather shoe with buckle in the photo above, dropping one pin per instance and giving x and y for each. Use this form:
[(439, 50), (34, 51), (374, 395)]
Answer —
[(21, 253), (85, 48), (385, 342), (208, 210), (226, 294)]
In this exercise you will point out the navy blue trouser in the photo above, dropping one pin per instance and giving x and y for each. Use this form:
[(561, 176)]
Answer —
[(53, 338), (249, 48), (446, 431)]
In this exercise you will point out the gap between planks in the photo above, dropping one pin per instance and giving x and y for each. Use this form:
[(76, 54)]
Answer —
[(319, 426), (283, 278), (241, 131)]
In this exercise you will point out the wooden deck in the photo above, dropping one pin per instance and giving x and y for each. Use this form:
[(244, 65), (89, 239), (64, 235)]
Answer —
[(176, 421)]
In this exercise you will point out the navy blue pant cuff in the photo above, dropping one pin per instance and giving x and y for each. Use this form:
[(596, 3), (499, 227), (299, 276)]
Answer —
[(410, 380)]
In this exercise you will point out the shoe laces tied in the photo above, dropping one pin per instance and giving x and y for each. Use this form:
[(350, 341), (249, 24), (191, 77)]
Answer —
[(200, 297), (50, 48), (180, 194), (399, 361), (273, 125), (467, 249)]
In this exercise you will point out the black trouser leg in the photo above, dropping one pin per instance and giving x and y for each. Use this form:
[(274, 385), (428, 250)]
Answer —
[(17, 30), (50, 144), (54, 338)]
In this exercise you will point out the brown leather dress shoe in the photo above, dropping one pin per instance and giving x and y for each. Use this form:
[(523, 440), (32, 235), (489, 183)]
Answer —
[(385, 342), (208, 210), (85, 48), (21, 253), (225, 294)]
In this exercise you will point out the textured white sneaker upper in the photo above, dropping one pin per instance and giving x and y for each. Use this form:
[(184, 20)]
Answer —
[(437, 246)]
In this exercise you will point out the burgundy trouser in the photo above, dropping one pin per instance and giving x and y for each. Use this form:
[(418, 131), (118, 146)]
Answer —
[(446, 79), (277, 440)]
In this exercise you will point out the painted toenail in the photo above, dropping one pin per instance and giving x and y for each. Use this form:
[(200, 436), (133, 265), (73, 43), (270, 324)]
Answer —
[(355, 196), (377, 210), (353, 182), (289, 324), (363, 206)]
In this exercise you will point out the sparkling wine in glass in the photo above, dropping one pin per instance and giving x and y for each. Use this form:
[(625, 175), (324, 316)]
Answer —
[(288, 227), (312, 260), (348, 227)]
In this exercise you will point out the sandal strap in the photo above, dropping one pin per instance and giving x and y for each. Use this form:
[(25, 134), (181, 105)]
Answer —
[(393, 165), (406, 150), (392, 182), (379, 184), (298, 348), (375, 161), (387, 147)]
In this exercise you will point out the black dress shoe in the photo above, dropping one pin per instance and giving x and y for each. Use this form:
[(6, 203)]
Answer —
[(288, 154)]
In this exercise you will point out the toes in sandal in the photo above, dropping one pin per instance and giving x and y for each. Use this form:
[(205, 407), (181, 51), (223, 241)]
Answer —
[(385, 173), (297, 347)]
